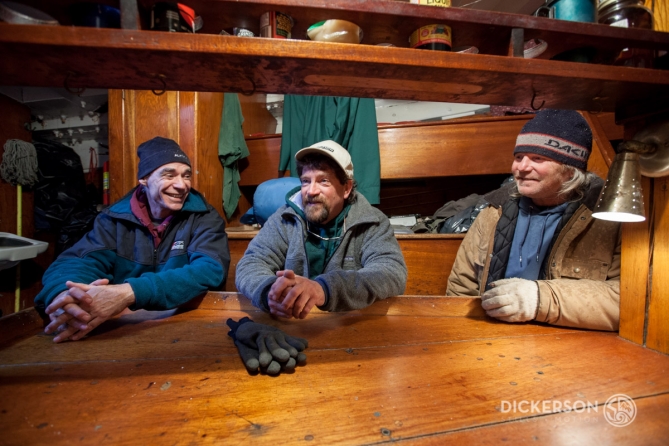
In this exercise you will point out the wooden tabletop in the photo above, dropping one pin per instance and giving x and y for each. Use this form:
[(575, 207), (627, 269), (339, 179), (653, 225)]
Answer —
[(420, 370)]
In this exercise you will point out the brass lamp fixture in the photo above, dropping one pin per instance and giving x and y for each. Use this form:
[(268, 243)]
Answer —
[(621, 198)]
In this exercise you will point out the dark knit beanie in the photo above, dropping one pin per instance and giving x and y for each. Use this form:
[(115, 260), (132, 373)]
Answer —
[(562, 135), (157, 152)]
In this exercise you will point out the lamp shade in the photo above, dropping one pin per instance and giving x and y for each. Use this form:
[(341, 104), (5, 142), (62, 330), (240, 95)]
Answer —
[(621, 198)]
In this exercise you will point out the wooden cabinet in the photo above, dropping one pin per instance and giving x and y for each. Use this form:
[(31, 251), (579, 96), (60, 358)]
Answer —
[(73, 57)]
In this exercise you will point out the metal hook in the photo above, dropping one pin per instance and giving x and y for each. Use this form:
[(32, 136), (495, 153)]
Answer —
[(162, 78), (597, 100), (76, 92), (534, 95), (253, 90)]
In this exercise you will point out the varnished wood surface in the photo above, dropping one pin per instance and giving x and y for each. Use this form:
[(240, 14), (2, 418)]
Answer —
[(658, 302), (109, 58), (634, 274), (413, 370)]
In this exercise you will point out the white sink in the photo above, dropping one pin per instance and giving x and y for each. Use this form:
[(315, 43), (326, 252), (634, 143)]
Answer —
[(13, 249)]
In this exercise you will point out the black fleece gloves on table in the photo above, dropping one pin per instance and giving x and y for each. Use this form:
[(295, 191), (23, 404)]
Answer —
[(266, 347)]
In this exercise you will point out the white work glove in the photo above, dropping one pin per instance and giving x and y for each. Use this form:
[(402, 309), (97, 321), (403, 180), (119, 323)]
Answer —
[(512, 300)]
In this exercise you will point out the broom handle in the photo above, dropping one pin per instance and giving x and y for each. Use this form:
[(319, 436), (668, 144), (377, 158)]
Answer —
[(19, 230)]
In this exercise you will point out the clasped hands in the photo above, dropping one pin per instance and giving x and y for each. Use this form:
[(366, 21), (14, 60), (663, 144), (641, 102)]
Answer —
[(512, 300), (81, 308), (294, 296)]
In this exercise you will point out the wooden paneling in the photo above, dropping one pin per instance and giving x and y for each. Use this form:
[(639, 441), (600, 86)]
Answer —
[(477, 147), (660, 10), (658, 305), (237, 249), (416, 370), (208, 169), (612, 130), (120, 138), (602, 154), (258, 120), (262, 164), (470, 146), (419, 150), (429, 259), (634, 273)]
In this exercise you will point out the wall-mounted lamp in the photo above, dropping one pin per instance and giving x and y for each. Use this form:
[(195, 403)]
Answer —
[(621, 198)]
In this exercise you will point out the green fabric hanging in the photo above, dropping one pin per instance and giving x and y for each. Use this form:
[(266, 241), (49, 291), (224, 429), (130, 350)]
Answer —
[(350, 122), (231, 148)]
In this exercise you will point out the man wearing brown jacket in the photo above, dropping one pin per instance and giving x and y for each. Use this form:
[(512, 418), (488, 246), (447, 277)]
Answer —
[(536, 252)]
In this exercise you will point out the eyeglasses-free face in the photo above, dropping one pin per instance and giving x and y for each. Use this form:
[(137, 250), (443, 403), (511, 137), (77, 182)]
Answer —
[(323, 196)]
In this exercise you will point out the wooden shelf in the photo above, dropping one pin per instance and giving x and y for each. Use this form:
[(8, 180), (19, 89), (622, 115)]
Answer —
[(110, 58)]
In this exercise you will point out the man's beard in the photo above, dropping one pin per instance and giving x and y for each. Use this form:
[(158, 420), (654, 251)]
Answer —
[(317, 214)]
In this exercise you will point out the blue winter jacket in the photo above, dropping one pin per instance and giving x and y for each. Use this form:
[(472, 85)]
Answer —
[(192, 257)]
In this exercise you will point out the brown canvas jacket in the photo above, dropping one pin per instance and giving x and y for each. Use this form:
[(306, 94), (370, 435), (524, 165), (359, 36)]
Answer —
[(582, 288)]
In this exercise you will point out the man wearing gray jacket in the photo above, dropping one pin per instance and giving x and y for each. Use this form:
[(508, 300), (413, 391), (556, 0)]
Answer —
[(326, 247)]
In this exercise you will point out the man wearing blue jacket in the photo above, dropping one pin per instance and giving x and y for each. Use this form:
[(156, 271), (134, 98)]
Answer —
[(155, 249)]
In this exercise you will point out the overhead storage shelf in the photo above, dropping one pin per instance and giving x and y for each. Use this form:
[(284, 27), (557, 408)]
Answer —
[(110, 58)]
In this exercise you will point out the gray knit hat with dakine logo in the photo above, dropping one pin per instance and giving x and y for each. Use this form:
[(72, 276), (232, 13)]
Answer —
[(562, 135), (330, 148), (157, 152)]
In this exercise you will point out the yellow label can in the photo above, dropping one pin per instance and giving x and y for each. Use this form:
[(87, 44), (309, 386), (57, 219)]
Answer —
[(431, 37), (443, 3)]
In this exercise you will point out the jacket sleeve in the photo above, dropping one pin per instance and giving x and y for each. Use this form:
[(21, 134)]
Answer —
[(383, 273), (208, 263), (265, 255), (466, 275), (90, 259), (582, 303)]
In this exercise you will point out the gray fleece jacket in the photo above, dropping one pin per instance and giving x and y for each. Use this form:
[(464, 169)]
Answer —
[(366, 266)]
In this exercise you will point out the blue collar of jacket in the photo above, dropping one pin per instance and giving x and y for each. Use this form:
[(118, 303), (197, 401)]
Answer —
[(121, 209)]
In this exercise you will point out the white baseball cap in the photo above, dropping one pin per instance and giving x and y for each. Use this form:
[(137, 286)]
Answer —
[(330, 148)]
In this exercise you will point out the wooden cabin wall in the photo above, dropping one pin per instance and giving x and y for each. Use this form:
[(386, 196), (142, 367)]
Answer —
[(660, 10), (644, 302)]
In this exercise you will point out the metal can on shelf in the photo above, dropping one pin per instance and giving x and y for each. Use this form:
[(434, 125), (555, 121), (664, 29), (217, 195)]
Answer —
[(431, 37), (443, 3), (276, 25), (625, 14)]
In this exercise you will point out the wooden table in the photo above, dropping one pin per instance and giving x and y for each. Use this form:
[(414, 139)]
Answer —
[(418, 370)]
